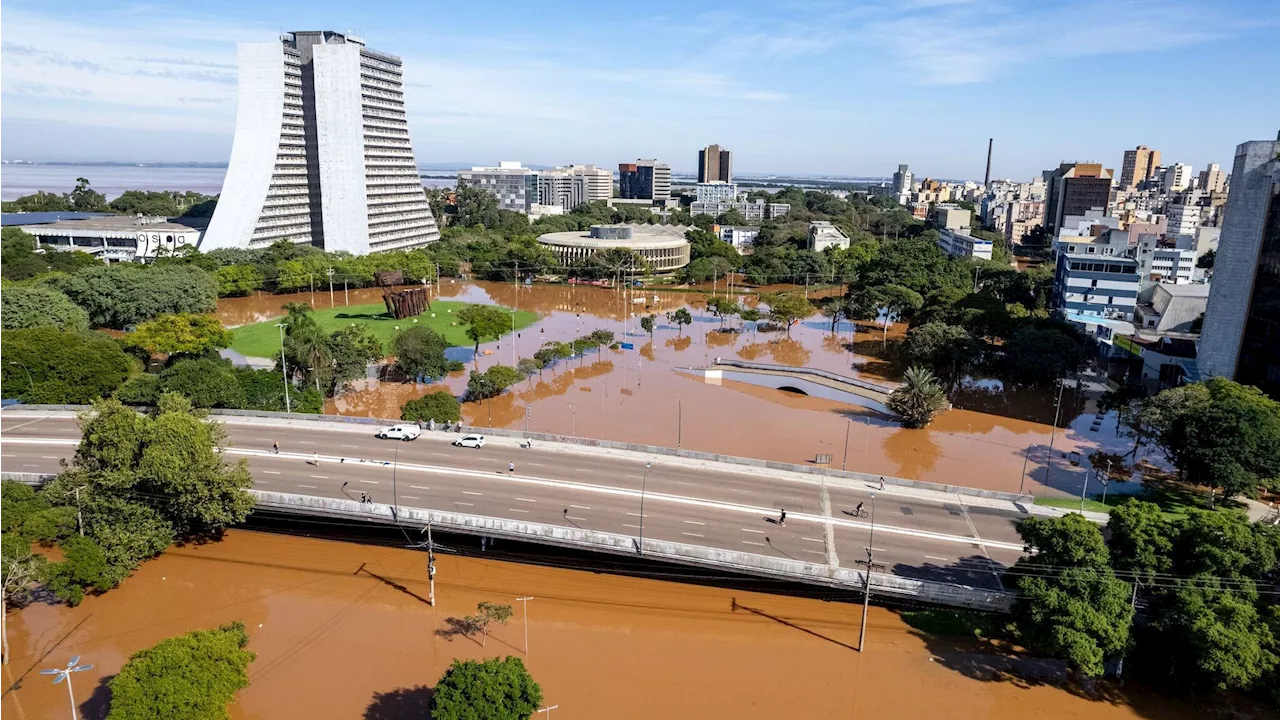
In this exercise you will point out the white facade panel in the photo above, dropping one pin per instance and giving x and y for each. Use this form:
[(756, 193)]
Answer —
[(259, 102), (340, 136)]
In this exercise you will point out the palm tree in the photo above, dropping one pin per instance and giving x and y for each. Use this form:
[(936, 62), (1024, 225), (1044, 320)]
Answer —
[(919, 399)]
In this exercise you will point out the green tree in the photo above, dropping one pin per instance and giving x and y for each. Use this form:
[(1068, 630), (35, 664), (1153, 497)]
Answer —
[(85, 199), (1209, 635), (491, 382), (919, 399), (484, 321), (37, 306), (141, 389), (352, 349), (1070, 604), (440, 406), (419, 352), (949, 351), (1218, 433), (527, 366), (1141, 539), (787, 308), (127, 293), (648, 323), (193, 676), (486, 614), (64, 367), (490, 690), (1042, 352), (238, 280), (680, 317), (84, 567), (181, 333), (208, 382), (22, 569)]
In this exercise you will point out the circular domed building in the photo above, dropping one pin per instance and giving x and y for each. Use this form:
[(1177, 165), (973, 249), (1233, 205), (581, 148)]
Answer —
[(664, 247)]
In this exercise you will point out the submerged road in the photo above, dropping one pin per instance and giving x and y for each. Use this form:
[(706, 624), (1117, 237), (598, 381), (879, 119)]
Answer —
[(719, 506)]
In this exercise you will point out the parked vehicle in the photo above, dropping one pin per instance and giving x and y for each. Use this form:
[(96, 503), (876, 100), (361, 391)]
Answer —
[(471, 441), (404, 431)]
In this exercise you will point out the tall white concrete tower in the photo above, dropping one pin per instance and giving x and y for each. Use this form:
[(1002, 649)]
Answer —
[(321, 154)]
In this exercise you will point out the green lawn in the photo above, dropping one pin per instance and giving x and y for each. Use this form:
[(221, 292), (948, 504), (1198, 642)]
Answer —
[(263, 339), (1174, 500)]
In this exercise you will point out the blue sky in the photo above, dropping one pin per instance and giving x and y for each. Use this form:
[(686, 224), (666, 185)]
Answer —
[(791, 87)]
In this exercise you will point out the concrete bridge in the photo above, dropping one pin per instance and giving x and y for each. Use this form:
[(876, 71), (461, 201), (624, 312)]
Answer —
[(810, 381)]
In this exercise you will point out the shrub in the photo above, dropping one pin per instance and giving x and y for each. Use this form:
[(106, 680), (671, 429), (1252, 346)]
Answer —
[(440, 406)]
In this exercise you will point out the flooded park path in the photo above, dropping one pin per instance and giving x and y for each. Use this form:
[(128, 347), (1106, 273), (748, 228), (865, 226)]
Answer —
[(994, 439), (343, 631)]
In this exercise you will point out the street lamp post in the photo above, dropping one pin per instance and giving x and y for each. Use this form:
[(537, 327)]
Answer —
[(1053, 432), (844, 463), (513, 338), (284, 371), (65, 674), (679, 423), (30, 383), (644, 483), (866, 579), (525, 602), (548, 710)]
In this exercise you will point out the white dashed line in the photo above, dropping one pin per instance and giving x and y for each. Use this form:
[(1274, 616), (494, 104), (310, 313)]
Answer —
[(459, 502), (353, 447), (369, 482), (516, 510), (468, 492), (526, 500), (440, 454), (748, 542), (305, 442), (638, 477), (309, 487), (49, 457), (271, 472), (419, 487), (935, 557), (813, 539), (694, 522), (636, 514), (320, 477), (691, 534), (759, 532), (535, 464), (570, 517), (580, 507), (410, 497), (631, 526), (30, 466)]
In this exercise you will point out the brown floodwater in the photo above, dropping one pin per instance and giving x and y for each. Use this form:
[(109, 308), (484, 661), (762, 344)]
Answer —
[(342, 630), (993, 439)]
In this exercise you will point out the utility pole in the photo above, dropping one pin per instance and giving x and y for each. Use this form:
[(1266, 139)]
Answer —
[(284, 371), (644, 483), (844, 464), (679, 423), (346, 299), (525, 602), (1053, 432), (431, 567), (866, 579), (329, 272)]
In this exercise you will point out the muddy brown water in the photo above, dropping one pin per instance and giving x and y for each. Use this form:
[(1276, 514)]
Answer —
[(993, 439), (341, 630)]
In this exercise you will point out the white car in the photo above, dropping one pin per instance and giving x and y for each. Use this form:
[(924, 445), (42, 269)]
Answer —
[(406, 432), (471, 441)]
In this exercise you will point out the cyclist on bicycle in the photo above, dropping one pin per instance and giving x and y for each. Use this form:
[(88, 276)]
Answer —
[(858, 510)]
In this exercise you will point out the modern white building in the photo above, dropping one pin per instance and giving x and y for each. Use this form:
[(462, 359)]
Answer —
[(564, 189), (740, 237), (823, 235), (515, 186), (959, 243), (1183, 218), (1096, 287), (1177, 177), (598, 181), (321, 154), (1171, 261), (902, 181), (121, 238), (713, 192)]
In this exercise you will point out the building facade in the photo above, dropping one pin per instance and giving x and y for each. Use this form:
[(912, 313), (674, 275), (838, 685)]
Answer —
[(121, 238), (564, 189), (644, 180), (663, 247), (959, 243), (515, 187), (1212, 179), (598, 181), (740, 237), (902, 184), (716, 192), (1177, 177), (1100, 287), (715, 164), (1139, 165), (1241, 337), (321, 154), (1074, 189), (823, 234)]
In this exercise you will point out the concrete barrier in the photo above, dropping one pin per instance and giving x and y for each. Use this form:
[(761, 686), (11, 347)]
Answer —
[(615, 445)]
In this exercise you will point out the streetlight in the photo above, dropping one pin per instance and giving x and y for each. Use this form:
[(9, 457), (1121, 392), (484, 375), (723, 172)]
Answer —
[(643, 484), (1053, 432), (968, 445), (30, 383), (679, 423), (866, 579), (548, 710), (525, 601), (65, 674), (573, 422), (513, 338), (284, 372)]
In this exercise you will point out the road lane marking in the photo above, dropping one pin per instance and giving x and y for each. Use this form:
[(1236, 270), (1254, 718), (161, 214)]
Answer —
[(535, 464), (526, 500), (761, 532), (320, 477), (638, 477), (935, 557), (813, 539), (440, 454), (419, 487), (49, 457), (580, 507), (7, 455), (35, 466), (309, 487), (694, 522), (271, 472), (369, 482), (631, 526), (353, 447), (516, 510), (304, 442), (748, 542), (570, 517), (636, 514), (692, 534), (459, 502), (468, 492), (410, 497), (815, 552)]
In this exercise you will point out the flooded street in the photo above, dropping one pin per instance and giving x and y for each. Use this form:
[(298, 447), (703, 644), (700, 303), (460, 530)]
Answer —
[(342, 630), (993, 439)]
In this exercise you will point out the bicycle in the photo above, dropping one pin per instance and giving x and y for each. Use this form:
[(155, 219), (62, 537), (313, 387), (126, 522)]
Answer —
[(856, 513)]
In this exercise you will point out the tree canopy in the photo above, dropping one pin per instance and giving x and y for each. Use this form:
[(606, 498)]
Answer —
[(192, 676), (490, 690), (419, 352), (127, 293), (65, 367), (37, 306), (181, 333), (440, 406)]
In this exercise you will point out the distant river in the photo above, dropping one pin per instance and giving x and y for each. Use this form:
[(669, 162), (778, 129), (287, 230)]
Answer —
[(18, 180)]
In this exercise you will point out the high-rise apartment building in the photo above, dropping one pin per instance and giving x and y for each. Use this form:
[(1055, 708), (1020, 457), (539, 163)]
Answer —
[(321, 154), (1177, 177), (644, 180), (1139, 164), (599, 181), (1074, 189), (1212, 179), (563, 188), (902, 184), (715, 165), (1241, 337)]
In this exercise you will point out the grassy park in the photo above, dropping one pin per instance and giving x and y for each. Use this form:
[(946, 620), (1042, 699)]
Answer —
[(263, 339)]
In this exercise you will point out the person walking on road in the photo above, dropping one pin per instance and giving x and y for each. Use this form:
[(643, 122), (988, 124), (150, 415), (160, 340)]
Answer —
[(511, 467), (881, 482), (315, 459), (275, 446), (782, 518)]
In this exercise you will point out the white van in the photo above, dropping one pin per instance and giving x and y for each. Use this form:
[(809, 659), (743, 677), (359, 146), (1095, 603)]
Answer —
[(404, 431)]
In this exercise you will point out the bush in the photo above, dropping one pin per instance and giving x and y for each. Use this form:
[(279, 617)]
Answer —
[(35, 306), (419, 352), (75, 368), (193, 676), (141, 390), (440, 406), (490, 690), (492, 382), (84, 568), (207, 382)]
